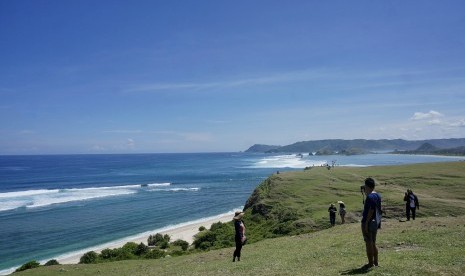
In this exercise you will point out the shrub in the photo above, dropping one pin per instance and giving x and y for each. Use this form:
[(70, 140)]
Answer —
[(216, 226), (52, 262), (141, 249), (28, 265), (220, 235), (130, 247), (163, 244), (158, 239), (202, 228), (184, 245), (122, 254), (89, 258), (204, 240), (107, 253), (155, 254)]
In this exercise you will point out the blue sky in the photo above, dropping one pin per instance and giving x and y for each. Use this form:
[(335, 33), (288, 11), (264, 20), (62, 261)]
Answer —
[(204, 76)]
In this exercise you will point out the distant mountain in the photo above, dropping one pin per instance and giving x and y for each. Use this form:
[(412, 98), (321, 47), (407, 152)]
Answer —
[(261, 148), (427, 148), (359, 146)]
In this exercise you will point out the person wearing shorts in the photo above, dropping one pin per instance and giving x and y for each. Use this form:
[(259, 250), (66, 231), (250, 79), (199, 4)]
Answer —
[(371, 221)]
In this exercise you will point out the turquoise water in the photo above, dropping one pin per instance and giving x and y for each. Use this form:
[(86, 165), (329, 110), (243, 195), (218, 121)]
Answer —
[(57, 204)]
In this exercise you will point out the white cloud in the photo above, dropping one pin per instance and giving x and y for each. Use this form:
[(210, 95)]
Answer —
[(131, 143), (459, 123), (424, 116), (435, 122)]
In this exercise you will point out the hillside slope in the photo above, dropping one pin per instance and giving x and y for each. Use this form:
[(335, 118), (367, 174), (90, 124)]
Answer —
[(296, 203), (428, 246)]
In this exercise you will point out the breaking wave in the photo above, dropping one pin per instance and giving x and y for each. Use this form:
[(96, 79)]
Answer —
[(287, 161), (44, 197)]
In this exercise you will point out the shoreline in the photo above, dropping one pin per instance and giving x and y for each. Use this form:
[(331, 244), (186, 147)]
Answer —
[(184, 231)]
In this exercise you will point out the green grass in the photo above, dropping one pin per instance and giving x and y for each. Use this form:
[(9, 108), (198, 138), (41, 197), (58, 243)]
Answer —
[(432, 245), (439, 186), (428, 246)]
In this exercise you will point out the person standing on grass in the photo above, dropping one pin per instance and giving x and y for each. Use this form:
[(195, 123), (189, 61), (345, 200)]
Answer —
[(239, 237), (411, 204), (342, 211), (332, 214), (371, 221)]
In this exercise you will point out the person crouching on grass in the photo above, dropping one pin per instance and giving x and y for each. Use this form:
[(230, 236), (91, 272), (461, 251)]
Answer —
[(371, 221), (239, 237)]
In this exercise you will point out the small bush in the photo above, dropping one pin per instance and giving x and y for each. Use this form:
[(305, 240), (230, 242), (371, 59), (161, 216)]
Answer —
[(130, 247), (89, 258), (204, 240), (163, 244), (52, 262), (202, 228), (158, 239), (155, 254), (141, 249), (184, 245), (28, 265), (107, 253), (122, 254)]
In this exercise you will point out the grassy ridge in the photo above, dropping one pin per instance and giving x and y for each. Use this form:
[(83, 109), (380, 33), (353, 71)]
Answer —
[(431, 245), (428, 246), (298, 202)]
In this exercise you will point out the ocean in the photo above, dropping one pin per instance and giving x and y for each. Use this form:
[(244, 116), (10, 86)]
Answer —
[(53, 205)]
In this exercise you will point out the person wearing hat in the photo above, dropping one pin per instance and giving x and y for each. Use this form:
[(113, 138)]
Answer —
[(239, 237), (332, 214), (342, 211)]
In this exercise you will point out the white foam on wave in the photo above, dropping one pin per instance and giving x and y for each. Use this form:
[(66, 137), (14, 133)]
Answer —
[(287, 161), (174, 189), (184, 189), (158, 184), (43, 197), (26, 193)]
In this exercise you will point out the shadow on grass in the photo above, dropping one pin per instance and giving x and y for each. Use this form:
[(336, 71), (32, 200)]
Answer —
[(361, 270)]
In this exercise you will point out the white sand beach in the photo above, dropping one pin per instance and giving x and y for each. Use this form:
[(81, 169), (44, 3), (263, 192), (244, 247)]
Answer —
[(185, 231)]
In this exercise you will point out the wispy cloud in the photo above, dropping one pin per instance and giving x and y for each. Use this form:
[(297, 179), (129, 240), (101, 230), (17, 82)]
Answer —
[(123, 131), (459, 123), (425, 116), (333, 77), (268, 79), (130, 143)]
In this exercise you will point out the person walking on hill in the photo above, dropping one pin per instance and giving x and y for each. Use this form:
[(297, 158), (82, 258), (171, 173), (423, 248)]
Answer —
[(239, 237), (342, 211), (371, 221), (332, 214), (411, 204)]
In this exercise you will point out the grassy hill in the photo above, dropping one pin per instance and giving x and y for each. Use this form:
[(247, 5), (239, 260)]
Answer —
[(296, 204)]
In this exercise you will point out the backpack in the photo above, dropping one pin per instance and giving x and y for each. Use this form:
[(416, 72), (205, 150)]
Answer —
[(378, 213)]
